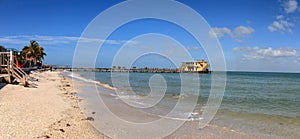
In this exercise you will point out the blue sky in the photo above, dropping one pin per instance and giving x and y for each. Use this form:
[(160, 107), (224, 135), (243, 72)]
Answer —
[(255, 35)]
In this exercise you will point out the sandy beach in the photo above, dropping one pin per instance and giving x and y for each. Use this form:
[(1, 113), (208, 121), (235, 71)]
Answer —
[(54, 106), (48, 109)]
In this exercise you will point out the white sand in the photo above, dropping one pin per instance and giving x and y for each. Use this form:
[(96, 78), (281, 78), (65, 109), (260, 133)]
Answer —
[(48, 111)]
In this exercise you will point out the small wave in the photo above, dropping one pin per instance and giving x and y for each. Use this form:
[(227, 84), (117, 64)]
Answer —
[(193, 116), (113, 95), (129, 97), (181, 119), (79, 77), (106, 85), (120, 95), (180, 96)]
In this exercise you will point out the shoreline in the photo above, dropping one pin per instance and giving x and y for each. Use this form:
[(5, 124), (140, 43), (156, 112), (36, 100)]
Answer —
[(48, 110), (61, 106), (225, 123), (127, 113)]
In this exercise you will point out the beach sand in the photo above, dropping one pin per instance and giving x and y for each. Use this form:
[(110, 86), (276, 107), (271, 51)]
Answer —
[(48, 109)]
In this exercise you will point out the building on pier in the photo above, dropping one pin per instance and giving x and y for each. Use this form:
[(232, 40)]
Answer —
[(200, 66)]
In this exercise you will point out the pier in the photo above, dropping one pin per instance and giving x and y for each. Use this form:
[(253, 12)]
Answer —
[(138, 70)]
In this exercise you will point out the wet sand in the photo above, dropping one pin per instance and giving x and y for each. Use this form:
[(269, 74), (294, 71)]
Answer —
[(131, 116), (48, 109)]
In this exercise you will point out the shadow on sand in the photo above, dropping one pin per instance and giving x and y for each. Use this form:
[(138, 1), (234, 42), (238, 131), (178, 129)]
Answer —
[(2, 85)]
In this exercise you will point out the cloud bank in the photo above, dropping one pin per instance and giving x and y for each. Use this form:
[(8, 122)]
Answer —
[(290, 6), (281, 25), (256, 53), (54, 40), (237, 33), (219, 32)]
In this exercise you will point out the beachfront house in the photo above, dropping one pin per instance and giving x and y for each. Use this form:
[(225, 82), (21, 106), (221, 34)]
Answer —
[(200, 66), (9, 69)]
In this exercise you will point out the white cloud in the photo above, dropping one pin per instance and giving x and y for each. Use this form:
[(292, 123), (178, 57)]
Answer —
[(219, 32), (193, 48), (51, 40), (242, 31), (238, 40), (265, 53), (237, 33), (279, 17), (290, 6), (281, 26)]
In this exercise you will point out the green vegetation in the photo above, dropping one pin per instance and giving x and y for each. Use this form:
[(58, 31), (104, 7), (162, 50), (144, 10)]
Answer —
[(34, 52), (30, 55), (2, 48)]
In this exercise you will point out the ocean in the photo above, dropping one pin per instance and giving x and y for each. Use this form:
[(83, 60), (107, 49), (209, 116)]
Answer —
[(259, 104)]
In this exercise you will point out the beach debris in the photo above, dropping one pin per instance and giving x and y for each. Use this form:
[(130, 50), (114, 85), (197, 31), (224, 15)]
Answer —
[(89, 119), (47, 136), (62, 130), (73, 93), (93, 112), (32, 79), (68, 125), (193, 116)]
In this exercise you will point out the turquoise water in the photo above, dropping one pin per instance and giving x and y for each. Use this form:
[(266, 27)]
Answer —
[(255, 103), (249, 92)]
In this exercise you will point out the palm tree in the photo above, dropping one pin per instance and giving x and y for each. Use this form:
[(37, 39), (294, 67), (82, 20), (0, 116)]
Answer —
[(33, 52), (2, 48)]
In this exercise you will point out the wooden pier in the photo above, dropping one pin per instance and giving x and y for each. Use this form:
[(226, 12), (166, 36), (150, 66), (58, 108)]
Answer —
[(139, 70)]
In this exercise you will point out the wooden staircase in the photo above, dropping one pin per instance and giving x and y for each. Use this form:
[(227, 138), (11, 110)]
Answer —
[(17, 73), (13, 71)]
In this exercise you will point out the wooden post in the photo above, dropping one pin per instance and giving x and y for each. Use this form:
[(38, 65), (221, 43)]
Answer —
[(9, 73)]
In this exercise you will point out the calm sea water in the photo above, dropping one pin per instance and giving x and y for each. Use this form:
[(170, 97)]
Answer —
[(260, 103)]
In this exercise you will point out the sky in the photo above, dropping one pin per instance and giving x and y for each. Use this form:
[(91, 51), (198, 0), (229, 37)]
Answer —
[(255, 35)]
